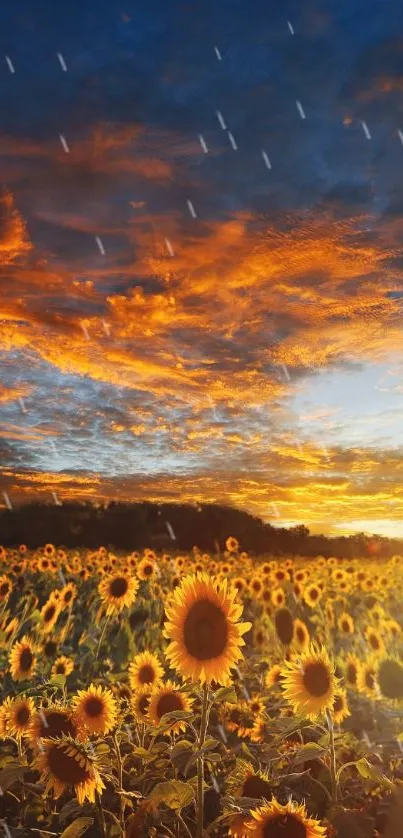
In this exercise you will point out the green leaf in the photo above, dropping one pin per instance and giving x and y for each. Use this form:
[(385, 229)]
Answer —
[(175, 794), (77, 828), (143, 754), (57, 681), (351, 824), (72, 809), (209, 744), (227, 694), (35, 616), (181, 754), (10, 774), (372, 772), (178, 715), (309, 751), (102, 748)]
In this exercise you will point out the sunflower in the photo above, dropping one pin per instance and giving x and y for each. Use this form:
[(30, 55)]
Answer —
[(145, 668), (340, 709), (22, 659), (204, 631), (147, 569), (278, 597), (118, 592), (309, 682), (289, 821), (239, 584), (52, 722), (312, 595), (256, 705), (392, 627), (68, 595), (273, 676), (6, 586), (367, 678), (95, 709), (301, 637), (19, 716), (390, 678), (375, 641), (140, 703), (231, 544), (62, 666), (284, 625), (49, 615), (10, 629), (167, 698), (244, 781), (259, 637), (261, 730), (64, 763), (256, 586), (345, 624), (49, 649), (351, 669)]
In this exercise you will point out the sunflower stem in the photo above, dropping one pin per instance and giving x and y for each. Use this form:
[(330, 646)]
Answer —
[(120, 770), (200, 762), (102, 636), (100, 813), (333, 766)]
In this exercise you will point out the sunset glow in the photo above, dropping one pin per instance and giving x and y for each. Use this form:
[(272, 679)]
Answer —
[(256, 359)]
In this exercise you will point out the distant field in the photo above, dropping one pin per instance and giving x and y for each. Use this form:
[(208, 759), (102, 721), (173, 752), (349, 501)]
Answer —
[(190, 695)]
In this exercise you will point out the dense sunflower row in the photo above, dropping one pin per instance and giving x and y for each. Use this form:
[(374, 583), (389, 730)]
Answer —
[(197, 694)]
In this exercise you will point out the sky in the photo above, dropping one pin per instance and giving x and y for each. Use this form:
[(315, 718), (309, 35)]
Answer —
[(201, 256)]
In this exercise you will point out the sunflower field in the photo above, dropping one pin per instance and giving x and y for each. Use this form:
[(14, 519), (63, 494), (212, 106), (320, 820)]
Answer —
[(197, 695)]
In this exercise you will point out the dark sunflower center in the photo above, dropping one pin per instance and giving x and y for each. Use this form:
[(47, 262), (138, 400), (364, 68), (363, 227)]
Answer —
[(65, 767), (49, 614), (146, 674), (4, 589), (23, 715), (352, 674), (50, 649), (316, 679), (345, 626), (256, 787), (94, 707), (205, 631), (143, 704), (58, 724), (60, 669), (390, 679), (337, 704), (235, 717), (374, 641), (26, 659), (119, 587), (147, 570), (284, 626), (168, 704), (314, 593), (284, 826), (67, 596), (370, 680), (300, 635)]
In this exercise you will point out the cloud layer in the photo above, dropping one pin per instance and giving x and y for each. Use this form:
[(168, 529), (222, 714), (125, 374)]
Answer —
[(151, 347)]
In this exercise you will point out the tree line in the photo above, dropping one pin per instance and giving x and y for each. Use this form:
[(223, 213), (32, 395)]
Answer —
[(174, 527)]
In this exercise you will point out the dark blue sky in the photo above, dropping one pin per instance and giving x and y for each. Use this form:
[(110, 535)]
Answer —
[(169, 355)]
